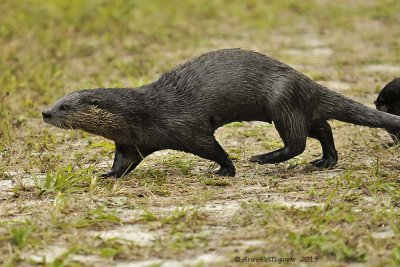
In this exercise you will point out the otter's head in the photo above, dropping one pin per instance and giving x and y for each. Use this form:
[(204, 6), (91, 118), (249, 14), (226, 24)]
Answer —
[(389, 101), (93, 111), (389, 98)]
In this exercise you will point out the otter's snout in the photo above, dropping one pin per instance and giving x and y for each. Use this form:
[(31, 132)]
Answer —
[(46, 114)]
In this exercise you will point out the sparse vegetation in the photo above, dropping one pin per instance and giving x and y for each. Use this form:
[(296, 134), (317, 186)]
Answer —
[(56, 211)]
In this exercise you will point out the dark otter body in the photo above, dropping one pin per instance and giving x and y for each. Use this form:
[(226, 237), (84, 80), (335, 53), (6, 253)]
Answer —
[(183, 108), (389, 101)]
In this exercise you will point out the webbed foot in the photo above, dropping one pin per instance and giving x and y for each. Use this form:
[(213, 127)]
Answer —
[(324, 163), (226, 172)]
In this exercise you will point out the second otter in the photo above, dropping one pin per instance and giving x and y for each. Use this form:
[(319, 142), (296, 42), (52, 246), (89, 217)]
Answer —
[(183, 108), (389, 101)]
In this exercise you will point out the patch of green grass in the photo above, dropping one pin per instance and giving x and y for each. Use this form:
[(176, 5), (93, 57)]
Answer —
[(181, 242), (216, 181), (5, 125), (96, 216), (114, 248), (234, 124), (396, 255), (183, 163), (148, 216), (66, 180), (20, 234), (272, 144), (64, 258), (104, 145), (319, 232)]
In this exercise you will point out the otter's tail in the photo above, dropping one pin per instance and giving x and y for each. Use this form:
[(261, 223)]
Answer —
[(344, 109)]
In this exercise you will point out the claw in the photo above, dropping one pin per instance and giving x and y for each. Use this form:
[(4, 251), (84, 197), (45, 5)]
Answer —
[(324, 163), (110, 173), (225, 172), (257, 159)]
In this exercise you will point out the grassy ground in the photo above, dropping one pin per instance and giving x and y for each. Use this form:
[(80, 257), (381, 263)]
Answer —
[(172, 211)]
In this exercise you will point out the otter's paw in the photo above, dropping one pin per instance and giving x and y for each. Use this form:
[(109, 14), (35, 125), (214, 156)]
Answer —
[(324, 163), (226, 172), (110, 173), (261, 159)]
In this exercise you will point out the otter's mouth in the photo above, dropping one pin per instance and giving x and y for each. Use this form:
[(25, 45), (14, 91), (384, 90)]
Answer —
[(51, 122), (48, 121), (381, 108), (49, 118), (57, 124)]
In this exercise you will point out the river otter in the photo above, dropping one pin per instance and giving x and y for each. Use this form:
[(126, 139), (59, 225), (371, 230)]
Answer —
[(389, 101), (183, 108)]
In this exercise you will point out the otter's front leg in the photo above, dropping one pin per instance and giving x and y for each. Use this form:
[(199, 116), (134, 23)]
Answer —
[(125, 160)]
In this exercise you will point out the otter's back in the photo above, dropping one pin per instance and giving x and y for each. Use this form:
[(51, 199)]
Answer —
[(229, 84)]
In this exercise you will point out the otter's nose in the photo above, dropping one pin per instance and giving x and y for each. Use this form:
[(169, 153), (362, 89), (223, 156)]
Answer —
[(46, 114)]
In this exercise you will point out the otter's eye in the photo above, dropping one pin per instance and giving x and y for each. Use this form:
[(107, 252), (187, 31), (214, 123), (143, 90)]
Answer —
[(94, 102), (64, 107)]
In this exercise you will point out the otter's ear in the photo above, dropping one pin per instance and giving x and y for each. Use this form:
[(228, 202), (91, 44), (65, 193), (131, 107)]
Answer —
[(94, 102)]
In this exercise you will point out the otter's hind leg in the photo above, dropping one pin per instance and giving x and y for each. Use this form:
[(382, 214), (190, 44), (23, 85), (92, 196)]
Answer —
[(292, 130), (125, 160), (207, 147), (322, 131)]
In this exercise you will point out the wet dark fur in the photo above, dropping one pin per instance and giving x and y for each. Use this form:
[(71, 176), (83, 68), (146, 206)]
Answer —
[(389, 101), (183, 108)]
